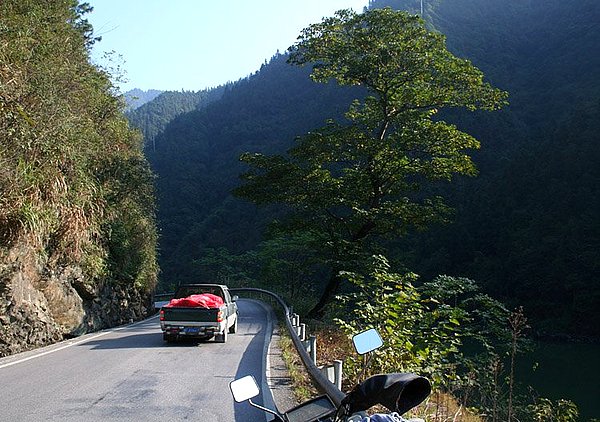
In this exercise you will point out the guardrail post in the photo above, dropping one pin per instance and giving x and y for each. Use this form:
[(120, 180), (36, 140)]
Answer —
[(333, 373), (310, 346), (318, 374), (337, 373), (312, 341), (302, 334), (329, 373)]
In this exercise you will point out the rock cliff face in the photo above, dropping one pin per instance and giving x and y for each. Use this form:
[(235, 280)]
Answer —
[(42, 303), (75, 186)]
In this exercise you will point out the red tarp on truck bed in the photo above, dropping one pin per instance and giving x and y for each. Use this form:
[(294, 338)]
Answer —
[(204, 300)]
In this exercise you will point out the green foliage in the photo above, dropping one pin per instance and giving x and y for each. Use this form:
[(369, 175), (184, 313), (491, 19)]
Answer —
[(280, 264), (355, 181), (447, 330), (198, 151), (72, 169), (546, 410), (391, 53), (153, 117), (423, 328), (221, 266), (288, 265)]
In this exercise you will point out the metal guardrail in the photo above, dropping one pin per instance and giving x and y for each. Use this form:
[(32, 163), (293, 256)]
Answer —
[(323, 383)]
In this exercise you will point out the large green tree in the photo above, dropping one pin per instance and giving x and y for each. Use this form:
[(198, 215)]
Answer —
[(355, 182)]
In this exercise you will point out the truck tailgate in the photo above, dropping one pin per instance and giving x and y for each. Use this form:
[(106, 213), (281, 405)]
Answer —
[(176, 314)]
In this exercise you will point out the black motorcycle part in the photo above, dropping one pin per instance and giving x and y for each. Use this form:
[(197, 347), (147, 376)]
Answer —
[(316, 409), (399, 392)]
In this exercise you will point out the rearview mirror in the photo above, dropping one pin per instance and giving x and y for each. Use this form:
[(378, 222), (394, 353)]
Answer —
[(367, 341), (244, 388)]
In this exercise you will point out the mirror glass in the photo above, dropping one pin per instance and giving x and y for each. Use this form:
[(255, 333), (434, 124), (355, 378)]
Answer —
[(244, 388), (367, 341)]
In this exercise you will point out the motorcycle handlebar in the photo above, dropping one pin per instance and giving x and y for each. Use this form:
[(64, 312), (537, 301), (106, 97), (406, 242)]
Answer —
[(399, 392)]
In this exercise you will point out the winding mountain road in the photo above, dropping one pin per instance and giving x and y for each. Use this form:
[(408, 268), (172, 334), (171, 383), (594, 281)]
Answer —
[(129, 373)]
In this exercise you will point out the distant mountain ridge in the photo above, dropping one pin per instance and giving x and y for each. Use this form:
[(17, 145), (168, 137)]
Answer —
[(154, 116), (196, 156), (136, 97)]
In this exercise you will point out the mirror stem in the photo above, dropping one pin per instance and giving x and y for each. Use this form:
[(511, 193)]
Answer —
[(264, 409), (365, 366)]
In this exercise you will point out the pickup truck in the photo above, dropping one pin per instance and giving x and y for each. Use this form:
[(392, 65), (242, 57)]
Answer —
[(198, 322)]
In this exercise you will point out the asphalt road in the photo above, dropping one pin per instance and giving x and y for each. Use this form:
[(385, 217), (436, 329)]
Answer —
[(130, 374)]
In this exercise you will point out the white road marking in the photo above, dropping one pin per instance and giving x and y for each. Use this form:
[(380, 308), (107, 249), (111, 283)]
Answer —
[(70, 343)]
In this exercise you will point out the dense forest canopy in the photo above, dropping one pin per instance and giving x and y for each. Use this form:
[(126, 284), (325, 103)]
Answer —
[(196, 159), (526, 228)]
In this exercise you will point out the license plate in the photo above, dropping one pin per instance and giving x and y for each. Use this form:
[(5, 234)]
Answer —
[(191, 330)]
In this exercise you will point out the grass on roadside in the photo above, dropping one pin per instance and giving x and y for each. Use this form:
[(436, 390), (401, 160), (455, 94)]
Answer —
[(333, 344), (303, 387)]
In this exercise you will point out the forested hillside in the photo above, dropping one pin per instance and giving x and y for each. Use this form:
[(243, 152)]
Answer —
[(152, 117), (526, 228), (77, 229), (196, 158)]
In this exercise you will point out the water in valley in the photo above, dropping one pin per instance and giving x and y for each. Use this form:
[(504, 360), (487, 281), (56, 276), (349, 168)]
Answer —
[(565, 370)]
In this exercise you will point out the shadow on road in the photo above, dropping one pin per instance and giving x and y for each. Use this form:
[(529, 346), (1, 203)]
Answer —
[(146, 335), (252, 364), (251, 334), (142, 341)]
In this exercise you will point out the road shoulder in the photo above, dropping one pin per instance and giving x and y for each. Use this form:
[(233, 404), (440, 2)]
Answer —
[(278, 377)]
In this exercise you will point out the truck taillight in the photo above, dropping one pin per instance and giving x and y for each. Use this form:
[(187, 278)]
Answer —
[(220, 316), (162, 315)]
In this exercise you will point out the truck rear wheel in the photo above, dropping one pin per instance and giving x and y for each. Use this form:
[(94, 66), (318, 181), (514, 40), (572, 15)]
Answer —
[(222, 336), (169, 338), (233, 328)]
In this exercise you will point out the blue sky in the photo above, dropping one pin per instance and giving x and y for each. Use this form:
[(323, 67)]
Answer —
[(195, 44)]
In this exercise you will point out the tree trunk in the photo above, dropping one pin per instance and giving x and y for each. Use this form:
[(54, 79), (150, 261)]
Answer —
[(331, 289), (332, 286)]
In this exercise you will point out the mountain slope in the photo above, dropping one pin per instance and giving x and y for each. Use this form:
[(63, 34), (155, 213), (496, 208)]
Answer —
[(196, 158), (526, 228), (136, 97)]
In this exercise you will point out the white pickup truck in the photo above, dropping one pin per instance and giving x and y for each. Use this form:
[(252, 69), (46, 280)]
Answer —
[(198, 322)]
